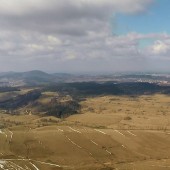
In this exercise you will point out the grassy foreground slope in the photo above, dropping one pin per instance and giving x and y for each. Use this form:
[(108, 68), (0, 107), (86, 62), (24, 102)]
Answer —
[(111, 132)]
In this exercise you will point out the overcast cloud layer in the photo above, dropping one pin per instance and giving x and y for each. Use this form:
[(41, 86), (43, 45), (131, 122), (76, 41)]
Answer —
[(76, 36)]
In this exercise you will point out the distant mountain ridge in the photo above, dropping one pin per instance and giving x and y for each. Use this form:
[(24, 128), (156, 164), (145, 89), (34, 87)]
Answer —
[(34, 77), (37, 77)]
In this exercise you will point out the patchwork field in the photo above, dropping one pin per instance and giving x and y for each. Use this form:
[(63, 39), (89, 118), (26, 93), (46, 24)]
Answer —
[(111, 132)]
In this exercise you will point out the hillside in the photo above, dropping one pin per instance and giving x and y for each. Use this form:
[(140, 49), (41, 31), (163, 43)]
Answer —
[(85, 125), (112, 132)]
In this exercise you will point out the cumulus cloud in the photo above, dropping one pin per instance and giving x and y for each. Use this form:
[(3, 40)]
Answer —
[(19, 7), (160, 48), (69, 35), (73, 17)]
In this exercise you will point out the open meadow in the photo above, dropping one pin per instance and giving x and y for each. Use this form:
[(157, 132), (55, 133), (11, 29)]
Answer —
[(110, 132)]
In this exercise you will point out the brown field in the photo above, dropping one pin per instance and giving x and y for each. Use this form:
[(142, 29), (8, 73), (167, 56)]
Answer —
[(111, 132)]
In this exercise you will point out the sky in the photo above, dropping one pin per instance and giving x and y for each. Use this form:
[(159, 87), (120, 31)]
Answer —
[(85, 36)]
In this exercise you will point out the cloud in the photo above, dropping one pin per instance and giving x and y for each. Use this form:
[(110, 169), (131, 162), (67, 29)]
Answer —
[(160, 48), (73, 17), (19, 7), (72, 35)]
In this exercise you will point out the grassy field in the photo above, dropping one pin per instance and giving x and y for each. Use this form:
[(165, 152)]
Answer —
[(111, 132), (144, 112)]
